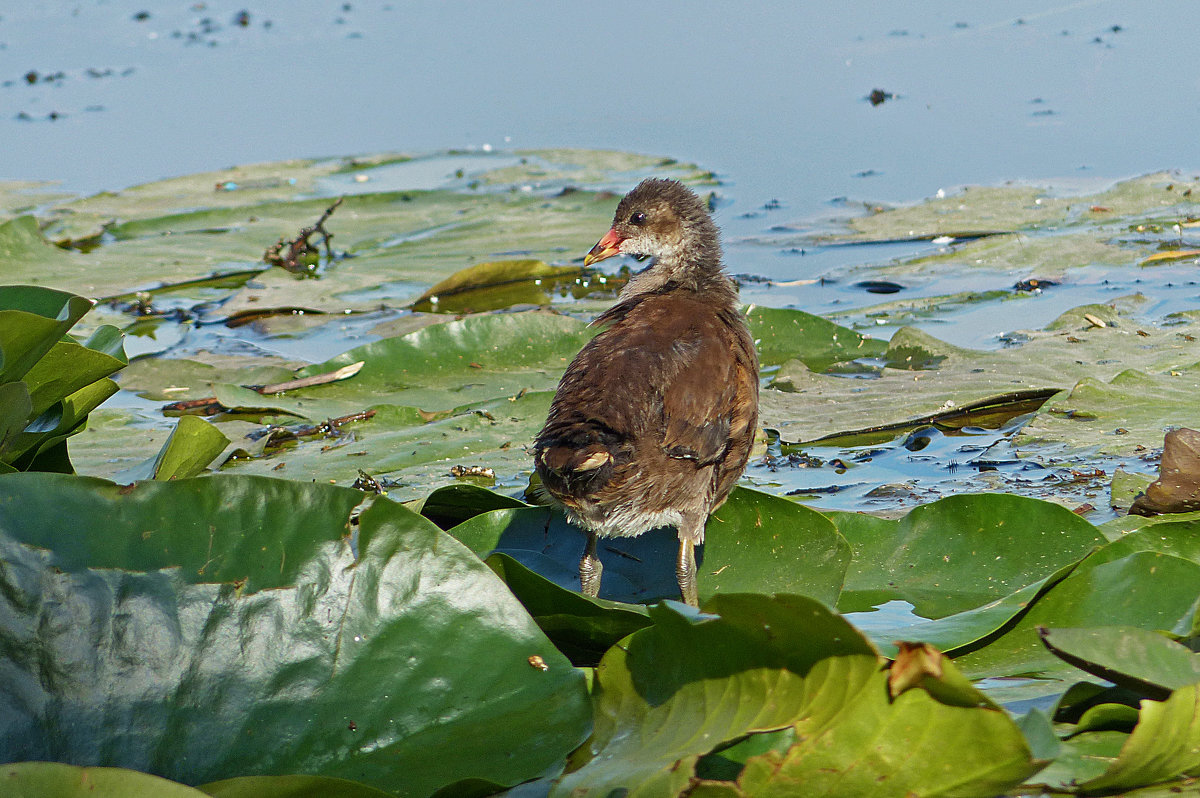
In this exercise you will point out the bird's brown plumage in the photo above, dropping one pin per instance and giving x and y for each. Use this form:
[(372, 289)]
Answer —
[(653, 421)]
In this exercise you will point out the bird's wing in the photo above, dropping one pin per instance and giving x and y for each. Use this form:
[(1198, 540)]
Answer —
[(712, 397)]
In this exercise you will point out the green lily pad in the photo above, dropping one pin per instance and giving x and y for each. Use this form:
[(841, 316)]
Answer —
[(961, 552), (781, 335), (53, 780), (448, 365), (449, 506), (1164, 745), (190, 449), (161, 618), (289, 787), (493, 285), (1143, 580), (755, 541), (816, 406), (674, 691), (580, 626), (1133, 658)]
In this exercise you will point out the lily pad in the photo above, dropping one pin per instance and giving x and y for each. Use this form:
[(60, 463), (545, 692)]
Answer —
[(1164, 745), (1117, 421), (961, 552), (161, 615), (1129, 657), (493, 285), (755, 541), (53, 780), (1144, 580), (756, 664)]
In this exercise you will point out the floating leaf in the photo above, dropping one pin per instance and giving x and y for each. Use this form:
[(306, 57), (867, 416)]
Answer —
[(1165, 744), (1170, 255), (190, 449), (676, 690), (819, 343), (961, 552), (186, 628), (580, 626), (52, 780), (755, 541), (1136, 659), (494, 285)]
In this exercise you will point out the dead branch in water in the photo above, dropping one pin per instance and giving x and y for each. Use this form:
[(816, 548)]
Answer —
[(300, 252)]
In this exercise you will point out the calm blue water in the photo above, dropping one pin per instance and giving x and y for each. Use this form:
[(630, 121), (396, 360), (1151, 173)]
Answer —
[(770, 95)]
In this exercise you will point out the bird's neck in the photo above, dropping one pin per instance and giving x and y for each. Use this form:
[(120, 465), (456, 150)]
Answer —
[(701, 275)]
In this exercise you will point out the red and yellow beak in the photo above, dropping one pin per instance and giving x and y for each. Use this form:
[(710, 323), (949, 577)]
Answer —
[(605, 248)]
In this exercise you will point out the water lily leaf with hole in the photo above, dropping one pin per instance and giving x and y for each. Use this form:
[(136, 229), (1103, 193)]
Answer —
[(754, 542), (757, 663), (161, 618), (1133, 658), (53, 780)]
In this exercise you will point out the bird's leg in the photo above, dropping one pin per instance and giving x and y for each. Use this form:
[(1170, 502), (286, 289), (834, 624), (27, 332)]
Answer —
[(590, 568), (685, 571)]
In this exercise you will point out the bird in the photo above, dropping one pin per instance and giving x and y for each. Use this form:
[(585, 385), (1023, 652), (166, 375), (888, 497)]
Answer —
[(653, 421)]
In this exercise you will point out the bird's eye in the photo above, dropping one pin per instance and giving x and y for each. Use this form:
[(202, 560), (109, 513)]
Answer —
[(638, 218)]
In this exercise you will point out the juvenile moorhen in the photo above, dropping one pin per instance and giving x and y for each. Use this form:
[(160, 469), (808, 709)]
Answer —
[(653, 421)]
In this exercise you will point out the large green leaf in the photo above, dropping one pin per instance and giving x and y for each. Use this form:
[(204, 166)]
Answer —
[(49, 382), (580, 626), (781, 335), (188, 451), (449, 506), (687, 684), (289, 787), (52, 780), (447, 365), (1144, 580), (961, 552), (32, 320), (223, 626), (1130, 657), (1165, 744), (755, 541)]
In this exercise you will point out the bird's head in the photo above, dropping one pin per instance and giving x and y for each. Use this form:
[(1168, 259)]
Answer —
[(666, 221)]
